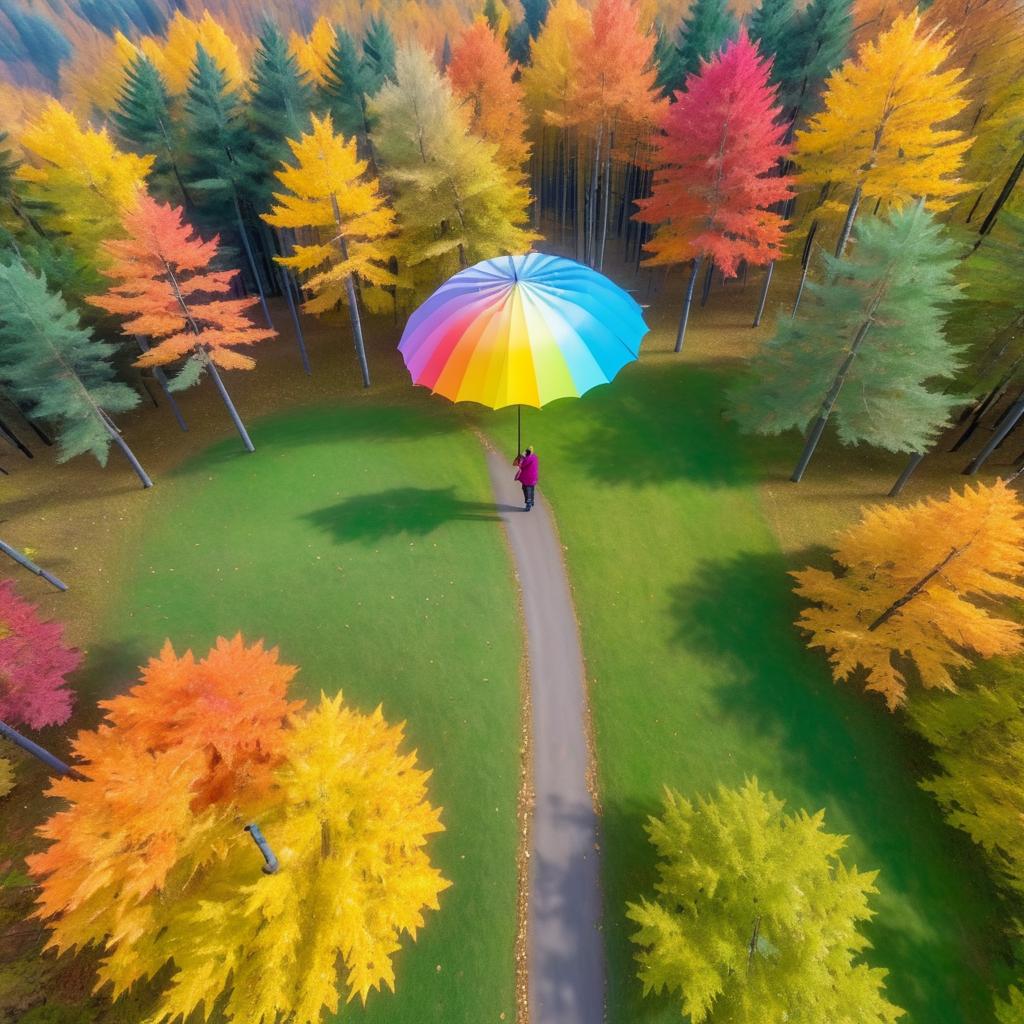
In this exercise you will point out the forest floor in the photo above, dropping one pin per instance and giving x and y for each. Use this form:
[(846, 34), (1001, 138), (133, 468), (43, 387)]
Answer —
[(678, 535)]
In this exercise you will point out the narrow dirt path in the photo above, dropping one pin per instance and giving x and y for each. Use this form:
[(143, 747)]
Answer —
[(565, 954)]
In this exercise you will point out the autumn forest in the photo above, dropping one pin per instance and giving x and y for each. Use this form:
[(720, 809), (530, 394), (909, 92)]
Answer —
[(306, 715)]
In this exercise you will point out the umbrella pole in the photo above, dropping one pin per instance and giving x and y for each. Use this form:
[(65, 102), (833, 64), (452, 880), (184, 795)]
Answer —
[(519, 430)]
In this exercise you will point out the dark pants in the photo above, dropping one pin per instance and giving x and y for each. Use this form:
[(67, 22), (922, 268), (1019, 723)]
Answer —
[(528, 494)]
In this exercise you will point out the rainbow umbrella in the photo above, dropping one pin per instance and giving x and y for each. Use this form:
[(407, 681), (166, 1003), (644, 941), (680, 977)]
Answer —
[(522, 330)]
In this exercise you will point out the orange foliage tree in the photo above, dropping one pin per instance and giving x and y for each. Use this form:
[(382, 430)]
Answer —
[(614, 99), (163, 279), (908, 591), (484, 79), (149, 860)]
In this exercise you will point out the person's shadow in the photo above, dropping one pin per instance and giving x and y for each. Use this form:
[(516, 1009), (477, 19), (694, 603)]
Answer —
[(417, 511)]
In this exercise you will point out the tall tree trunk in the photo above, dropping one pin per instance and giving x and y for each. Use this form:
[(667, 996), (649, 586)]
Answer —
[(818, 428), (592, 201), (805, 265), (252, 261), (580, 195), (913, 462), (1008, 422), (918, 587), (350, 291), (232, 411), (607, 198), (706, 290), (684, 319), (115, 435), (1004, 194), (161, 379), (979, 412), (55, 764), (27, 563), (851, 213), (769, 270), (5, 431), (291, 293)]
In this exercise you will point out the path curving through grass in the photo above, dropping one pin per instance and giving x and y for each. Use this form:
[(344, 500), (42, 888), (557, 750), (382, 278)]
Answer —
[(697, 677)]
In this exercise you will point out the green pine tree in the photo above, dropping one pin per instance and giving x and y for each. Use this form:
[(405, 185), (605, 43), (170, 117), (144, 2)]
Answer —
[(867, 348), (454, 202), (280, 103), (771, 26), (52, 365), (708, 25), (225, 173), (144, 121), (756, 918), (344, 90), (22, 236), (668, 61), (492, 14), (978, 740), (817, 42), (378, 63)]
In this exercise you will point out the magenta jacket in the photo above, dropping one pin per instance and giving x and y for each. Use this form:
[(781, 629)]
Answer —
[(528, 470)]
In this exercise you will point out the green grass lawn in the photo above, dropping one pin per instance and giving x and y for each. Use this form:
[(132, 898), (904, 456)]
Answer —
[(363, 542), (697, 677)]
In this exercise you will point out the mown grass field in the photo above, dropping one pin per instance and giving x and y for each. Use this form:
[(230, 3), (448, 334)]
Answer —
[(362, 542), (697, 676)]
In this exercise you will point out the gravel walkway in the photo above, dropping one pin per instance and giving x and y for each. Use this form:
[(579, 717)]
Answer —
[(565, 949)]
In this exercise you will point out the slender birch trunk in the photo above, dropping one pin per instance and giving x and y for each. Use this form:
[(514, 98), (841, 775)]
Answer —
[(252, 261), (688, 302)]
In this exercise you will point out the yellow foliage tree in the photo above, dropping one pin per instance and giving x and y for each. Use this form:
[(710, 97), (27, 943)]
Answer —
[(880, 136), (329, 192), (549, 80), (908, 590), (175, 56), (311, 52), (151, 863), (81, 180)]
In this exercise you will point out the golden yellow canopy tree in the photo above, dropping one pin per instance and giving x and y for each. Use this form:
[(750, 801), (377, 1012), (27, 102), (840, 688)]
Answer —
[(329, 191), (881, 136), (910, 587), (175, 56), (149, 860), (311, 52), (81, 181)]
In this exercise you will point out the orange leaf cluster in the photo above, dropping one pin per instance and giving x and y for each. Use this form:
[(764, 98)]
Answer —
[(483, 79), (164, 280), (908, 590), (192, 734)]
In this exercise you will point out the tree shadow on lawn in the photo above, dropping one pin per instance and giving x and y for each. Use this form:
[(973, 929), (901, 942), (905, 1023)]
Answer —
[(659, 423), (324, 425), (416, 511), (838, 748)]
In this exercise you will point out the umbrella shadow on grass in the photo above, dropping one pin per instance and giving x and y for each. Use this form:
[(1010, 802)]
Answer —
[(835, 746), (416, 511)]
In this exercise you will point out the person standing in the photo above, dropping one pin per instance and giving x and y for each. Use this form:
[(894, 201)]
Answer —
[(527, 475)]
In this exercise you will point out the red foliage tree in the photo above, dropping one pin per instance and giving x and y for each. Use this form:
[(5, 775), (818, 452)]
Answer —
[(717, 178), (34, 662), (163, 289)]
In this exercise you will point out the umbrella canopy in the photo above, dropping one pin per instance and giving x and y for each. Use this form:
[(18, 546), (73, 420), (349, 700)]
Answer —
[(522, 330)]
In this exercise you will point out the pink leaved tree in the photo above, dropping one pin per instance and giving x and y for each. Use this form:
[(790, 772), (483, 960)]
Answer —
[(717, 171), (34, 664)]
